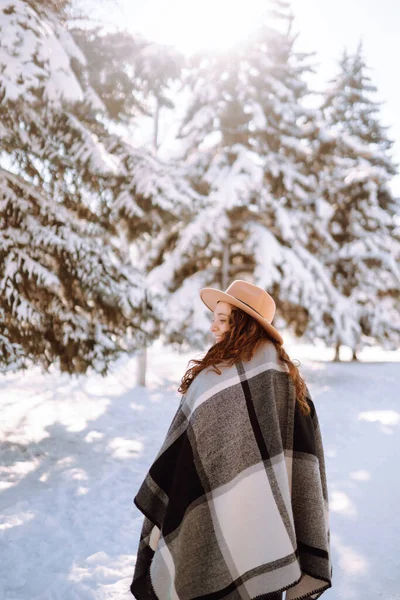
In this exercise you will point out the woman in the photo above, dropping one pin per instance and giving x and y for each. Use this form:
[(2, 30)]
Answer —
[(236, 502)]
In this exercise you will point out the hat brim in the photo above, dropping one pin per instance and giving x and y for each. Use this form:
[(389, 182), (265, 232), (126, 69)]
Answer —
[(211, 297)]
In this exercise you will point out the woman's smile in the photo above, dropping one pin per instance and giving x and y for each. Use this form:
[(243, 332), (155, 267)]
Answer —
[(220, 323)]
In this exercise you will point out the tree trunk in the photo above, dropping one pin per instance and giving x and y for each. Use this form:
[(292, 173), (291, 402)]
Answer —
[(337, 352), (141, 359), (225, 266), (141, 362), (156, 123)]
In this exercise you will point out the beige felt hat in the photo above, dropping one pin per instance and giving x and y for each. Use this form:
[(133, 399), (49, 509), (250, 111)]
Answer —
[(249, 297)]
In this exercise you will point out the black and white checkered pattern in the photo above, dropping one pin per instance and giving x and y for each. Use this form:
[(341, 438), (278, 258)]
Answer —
[(236, 502)]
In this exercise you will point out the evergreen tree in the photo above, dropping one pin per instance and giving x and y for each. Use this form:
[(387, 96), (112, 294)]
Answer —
[(128, 72), (68, 296), (69, 292), (246, 136), (355, 179)]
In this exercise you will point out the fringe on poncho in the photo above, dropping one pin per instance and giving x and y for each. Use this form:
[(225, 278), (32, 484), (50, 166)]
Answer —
[(236, 501)]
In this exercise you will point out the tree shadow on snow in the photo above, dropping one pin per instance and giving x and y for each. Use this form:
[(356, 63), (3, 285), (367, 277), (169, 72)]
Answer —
[(70, 527)]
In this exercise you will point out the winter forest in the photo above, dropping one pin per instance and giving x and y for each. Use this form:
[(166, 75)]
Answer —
[(133, 173), (106, 240)]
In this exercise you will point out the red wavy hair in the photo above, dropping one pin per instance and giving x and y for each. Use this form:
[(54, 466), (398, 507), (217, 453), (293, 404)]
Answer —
[(240, 343)]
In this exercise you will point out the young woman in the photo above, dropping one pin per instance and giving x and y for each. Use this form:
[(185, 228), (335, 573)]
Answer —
[(235, 504)]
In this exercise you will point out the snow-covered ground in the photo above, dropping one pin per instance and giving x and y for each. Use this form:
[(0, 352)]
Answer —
[(75, 450)]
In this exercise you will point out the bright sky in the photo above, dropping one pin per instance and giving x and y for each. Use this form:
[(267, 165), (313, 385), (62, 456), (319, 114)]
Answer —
[(324, 27)]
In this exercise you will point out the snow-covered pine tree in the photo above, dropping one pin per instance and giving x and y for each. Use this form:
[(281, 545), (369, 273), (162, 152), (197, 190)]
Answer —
[(133, 77), (355, 178), (130, 75), (246, 141), (128, 72), (69, 294)]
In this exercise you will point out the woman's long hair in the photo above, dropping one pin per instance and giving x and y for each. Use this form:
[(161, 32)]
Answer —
[(240, 343)]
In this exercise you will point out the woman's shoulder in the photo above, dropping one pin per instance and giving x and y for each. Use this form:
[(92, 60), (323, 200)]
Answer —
[(267, 353)]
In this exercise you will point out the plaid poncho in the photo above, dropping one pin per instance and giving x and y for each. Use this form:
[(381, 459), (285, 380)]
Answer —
[(236, 501)]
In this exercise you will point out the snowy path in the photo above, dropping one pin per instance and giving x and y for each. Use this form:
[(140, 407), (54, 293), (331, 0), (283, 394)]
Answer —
[(73, 452)]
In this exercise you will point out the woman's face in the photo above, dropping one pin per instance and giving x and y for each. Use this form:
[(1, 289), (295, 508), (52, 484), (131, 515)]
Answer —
[(220, 323)]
